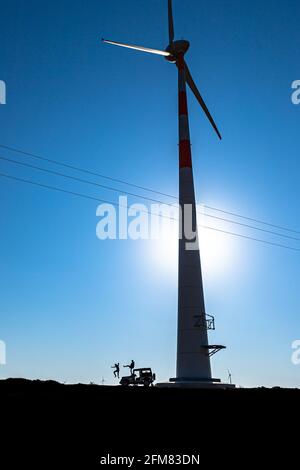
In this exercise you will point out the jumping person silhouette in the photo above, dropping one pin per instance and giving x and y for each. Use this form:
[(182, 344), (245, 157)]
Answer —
[(131, 366), (117, 370)]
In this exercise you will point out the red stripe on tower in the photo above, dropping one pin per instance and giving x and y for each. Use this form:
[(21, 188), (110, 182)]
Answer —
[(182, 103), (185, 154)]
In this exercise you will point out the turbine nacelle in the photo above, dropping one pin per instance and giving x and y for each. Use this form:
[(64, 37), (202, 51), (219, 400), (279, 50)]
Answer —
[(175, 49)]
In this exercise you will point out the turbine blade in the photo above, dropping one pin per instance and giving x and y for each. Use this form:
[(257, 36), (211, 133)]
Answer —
[(196, 92), (171, 22), (137, 48)]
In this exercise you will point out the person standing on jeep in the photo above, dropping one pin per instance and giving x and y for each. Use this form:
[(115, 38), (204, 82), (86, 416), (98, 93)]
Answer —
[(117, 370), (131, 366)]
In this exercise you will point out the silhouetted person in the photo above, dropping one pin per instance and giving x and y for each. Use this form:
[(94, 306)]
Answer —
[(117, 370), (131, 366)]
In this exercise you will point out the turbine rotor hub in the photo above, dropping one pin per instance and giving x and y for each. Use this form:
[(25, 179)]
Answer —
[(177, 48)]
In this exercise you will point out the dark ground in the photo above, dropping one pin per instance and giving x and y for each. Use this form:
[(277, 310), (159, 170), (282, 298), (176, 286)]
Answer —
[(47, 422)]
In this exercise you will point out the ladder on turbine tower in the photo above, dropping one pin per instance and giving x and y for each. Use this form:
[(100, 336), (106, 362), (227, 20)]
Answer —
[(208, 322), (205, 321)]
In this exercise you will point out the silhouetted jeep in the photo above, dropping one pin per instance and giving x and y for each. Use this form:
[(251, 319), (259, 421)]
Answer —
[(141, 376)]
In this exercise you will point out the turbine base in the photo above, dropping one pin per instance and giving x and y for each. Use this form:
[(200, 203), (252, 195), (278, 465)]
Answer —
[(195, 384)]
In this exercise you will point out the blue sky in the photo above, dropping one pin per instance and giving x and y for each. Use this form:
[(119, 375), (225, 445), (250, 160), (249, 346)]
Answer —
[(71, 305)]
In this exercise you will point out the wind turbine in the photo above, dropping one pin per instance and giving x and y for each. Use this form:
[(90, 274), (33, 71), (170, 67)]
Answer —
[(229, 377), (193, 350)]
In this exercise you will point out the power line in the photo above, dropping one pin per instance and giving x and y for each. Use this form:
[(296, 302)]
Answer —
[(85, 196), (251, 238), (253, 220), (74, 193), (144, 188), (81, 180), (250, 226), (83, 170)]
